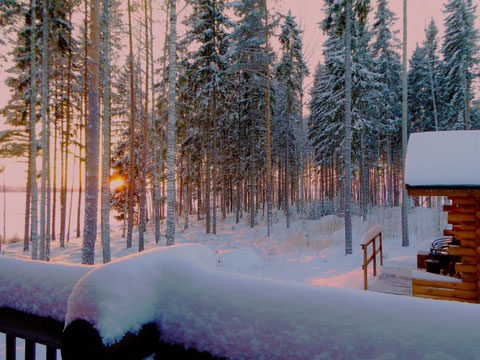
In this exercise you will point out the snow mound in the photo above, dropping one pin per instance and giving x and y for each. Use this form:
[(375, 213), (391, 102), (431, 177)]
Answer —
[(123, 295), (37, 287), (239, 260)]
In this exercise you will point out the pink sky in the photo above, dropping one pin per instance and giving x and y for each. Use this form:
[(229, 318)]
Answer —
[(308, 13)]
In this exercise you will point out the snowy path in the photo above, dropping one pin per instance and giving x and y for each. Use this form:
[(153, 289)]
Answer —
[(392, 279)]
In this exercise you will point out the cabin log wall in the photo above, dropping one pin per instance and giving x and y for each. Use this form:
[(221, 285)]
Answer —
[(464, 216)]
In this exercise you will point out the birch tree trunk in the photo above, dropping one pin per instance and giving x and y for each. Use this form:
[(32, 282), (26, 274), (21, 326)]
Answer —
[(348, 130), (33, 138), (405, 241), (91, 185), (171, 125), (105, 223)]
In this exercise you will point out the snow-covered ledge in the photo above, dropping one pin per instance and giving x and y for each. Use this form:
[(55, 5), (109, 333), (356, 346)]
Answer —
[(37, 287), (196, 304), (370, 234), (423, 275)]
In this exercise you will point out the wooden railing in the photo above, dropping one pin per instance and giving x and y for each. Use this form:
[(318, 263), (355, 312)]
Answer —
[(81, 341), (33, 329), (368, 238)]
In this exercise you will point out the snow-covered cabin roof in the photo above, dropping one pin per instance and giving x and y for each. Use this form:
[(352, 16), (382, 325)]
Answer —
[(443, 160)]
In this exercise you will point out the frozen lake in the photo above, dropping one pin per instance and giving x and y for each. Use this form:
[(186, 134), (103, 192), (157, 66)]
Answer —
[(15, 213)]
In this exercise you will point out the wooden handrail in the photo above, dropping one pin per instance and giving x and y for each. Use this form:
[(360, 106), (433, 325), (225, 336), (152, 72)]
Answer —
[(34, 329), (370, 238)]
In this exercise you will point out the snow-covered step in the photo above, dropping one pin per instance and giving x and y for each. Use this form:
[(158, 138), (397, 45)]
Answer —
[(392, 280)]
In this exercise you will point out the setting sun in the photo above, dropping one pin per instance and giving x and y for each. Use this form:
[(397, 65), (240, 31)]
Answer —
[(117, 183)]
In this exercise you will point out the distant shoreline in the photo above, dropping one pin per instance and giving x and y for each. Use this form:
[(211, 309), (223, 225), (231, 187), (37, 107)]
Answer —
[(24, 189)]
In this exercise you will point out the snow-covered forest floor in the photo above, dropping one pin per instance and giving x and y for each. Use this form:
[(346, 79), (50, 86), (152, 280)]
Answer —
[(310, 252)]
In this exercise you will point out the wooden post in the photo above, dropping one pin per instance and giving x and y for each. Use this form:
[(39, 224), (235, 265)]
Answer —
[(381, 250), (51, 353), (11, 348), (29, 350), (374, 257), (364, 267)]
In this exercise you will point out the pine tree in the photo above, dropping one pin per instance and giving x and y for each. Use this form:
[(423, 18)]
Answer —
[(385, 47), (207, 28), (248, 58), (290, 72), (423, 80), (460, 50)]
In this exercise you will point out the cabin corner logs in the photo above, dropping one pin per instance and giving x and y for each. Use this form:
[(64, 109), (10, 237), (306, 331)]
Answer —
[(464, 217)]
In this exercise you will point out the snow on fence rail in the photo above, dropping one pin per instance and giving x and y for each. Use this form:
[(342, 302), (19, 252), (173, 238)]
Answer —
[(194, 304)]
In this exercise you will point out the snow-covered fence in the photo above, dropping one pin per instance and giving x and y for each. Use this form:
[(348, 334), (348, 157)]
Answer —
[(370, 236), (187, 302), (33, 302)]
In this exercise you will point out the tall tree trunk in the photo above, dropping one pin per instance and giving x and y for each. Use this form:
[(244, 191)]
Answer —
[(287, 185), (28, 198), (143, 194), (131, 159), (252, 182), (214, 161), (348, 129), (45, 152), (49, 208), (171, 125), (207, 183), (63, 195), (71, 202), (156, 168), (187, 194), (405, 241), (363, 191), (54, 191), (105, 222), (432, 90), (91, 185), (83, 126), (267, 109), (33, 137)]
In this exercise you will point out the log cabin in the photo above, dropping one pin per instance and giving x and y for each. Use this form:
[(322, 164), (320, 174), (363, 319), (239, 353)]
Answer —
[(447, 164)]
